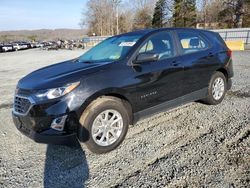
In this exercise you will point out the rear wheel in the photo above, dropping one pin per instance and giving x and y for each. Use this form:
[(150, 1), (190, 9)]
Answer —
[(106, 120), (216, 89)]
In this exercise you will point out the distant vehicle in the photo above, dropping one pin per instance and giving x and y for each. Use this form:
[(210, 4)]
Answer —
[(34, 44), (124, 78), (20, 45), (28, 44), (40, 44), (7, 47), (43, 45), (51, 45), (1, 47)]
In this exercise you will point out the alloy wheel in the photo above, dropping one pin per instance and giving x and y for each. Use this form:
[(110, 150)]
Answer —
[(218, 88), (107, 127)]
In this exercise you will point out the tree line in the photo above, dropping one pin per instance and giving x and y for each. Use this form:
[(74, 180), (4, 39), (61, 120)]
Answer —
[(110, 17)]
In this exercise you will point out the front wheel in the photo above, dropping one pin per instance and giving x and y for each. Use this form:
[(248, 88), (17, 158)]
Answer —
[(216, 89), (106, 120)]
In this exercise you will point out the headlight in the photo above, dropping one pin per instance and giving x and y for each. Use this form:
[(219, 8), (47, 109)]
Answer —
[(56, 92)]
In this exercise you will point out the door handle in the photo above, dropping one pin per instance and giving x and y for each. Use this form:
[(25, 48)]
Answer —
[(210, 54), (175, 63)]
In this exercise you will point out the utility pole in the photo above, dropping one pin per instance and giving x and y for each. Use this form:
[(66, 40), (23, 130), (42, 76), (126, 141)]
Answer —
[(205, 12), (117, 19), (117, 2)]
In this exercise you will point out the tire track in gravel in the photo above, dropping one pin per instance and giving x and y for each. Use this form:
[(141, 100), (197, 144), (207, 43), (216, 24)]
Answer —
[(145, 125), (170, 177)]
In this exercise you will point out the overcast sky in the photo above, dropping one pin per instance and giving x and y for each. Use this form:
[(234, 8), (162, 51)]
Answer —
[(40, 14)]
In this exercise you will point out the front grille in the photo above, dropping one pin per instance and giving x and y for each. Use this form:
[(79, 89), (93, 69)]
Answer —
[(21, 105)]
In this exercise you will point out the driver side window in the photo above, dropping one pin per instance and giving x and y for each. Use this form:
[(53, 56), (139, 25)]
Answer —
[(147, 47), (161, 44)]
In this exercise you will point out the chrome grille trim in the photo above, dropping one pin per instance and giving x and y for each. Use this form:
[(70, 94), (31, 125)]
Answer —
[(22, 105)]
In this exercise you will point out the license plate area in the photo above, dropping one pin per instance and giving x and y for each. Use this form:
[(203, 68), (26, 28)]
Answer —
[(20, 126)]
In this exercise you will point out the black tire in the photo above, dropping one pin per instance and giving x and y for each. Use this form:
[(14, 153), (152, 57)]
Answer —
[(210, 99), (93, 110)]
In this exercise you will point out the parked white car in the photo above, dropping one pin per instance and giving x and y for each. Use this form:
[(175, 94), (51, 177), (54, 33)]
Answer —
[(7, 47), (19, 46)]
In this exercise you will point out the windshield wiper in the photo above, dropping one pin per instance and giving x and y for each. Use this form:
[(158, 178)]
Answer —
[(88, 62), (76, 60)]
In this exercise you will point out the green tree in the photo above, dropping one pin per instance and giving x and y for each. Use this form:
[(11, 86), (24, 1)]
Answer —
[(177, 16), (184, 14), (159, 14), (233, 13)]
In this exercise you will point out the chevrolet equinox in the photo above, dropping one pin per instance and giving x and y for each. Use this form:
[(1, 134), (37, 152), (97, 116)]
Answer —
[(95, 97)]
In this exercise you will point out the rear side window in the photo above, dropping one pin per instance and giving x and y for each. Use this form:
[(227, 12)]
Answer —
[(161, 44), (192, 42)]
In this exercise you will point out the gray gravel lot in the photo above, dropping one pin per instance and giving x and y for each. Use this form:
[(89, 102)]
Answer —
[(190, 146)]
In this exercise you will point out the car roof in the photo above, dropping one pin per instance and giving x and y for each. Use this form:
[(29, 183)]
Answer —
[(137, 32), (151, 30)]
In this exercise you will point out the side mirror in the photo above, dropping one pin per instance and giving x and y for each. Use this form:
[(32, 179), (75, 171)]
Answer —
[(146, 57)]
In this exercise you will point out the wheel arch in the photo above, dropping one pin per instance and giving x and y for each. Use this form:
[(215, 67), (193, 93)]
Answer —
[(82, 133), (112, 92), (223, 71)]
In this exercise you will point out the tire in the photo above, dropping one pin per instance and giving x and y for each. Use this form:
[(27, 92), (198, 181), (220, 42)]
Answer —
[(214, 98), (93, 121)]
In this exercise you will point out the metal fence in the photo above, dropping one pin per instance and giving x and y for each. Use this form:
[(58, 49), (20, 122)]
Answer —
[(235, 34), (92, 41)]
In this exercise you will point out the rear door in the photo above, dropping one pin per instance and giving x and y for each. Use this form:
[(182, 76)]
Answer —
[(198, 59), (159, 81)]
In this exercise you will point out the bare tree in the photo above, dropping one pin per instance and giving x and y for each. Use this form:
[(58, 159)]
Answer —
[(143, 5), (227, 13), (208, 11), (102, 17), (110, 17)]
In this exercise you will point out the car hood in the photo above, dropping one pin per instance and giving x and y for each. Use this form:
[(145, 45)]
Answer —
[(59, 74)]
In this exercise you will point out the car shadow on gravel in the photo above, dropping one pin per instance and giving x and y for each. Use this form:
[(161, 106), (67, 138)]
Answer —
[(65, 167)]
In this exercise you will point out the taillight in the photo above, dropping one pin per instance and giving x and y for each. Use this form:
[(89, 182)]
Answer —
[(229, 53)]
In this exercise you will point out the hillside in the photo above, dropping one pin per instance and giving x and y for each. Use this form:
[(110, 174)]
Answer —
[(42, 34)]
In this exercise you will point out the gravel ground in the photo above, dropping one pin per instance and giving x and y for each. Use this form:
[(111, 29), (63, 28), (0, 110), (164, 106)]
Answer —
[(190, 146)]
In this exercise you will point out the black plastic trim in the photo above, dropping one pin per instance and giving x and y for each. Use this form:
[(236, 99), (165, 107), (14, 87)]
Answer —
[(194, 96), (49, 136)]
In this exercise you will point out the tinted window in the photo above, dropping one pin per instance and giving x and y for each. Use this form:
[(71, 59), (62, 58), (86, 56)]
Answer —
[(161, 44), (192, 42)]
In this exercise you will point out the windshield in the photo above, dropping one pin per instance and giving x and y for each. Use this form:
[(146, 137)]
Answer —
[(111, 49)]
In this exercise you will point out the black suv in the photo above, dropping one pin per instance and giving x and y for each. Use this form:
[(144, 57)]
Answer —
[(94, 98)]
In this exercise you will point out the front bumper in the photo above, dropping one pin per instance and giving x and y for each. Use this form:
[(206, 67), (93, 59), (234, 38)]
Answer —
[(48, 136), (35, 118)]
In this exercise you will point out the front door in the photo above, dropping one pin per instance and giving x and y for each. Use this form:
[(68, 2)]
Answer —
[(158, 81)]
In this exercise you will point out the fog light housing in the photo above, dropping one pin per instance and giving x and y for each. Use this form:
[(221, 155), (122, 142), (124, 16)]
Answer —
[(58, 123)]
